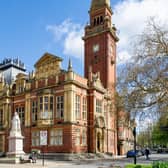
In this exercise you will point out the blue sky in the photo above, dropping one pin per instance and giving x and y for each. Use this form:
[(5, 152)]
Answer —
[(29, 28), (23, 30), (23, 26)]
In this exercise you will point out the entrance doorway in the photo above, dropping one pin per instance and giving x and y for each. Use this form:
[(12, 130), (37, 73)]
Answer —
[(98, 142)]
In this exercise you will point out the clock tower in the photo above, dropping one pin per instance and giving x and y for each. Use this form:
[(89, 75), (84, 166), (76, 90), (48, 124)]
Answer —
[(100, 43)]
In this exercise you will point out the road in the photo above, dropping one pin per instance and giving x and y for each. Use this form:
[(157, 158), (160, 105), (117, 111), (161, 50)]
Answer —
[(121, 161)]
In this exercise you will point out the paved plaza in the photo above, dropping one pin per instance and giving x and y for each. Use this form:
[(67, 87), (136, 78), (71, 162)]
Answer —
[(101, 163)]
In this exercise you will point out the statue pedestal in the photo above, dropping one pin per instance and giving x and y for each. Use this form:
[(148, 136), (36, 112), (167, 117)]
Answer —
[(15, 147)]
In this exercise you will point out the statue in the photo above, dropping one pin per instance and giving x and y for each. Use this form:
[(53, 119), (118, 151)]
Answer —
[(15, 130), (15, 146)]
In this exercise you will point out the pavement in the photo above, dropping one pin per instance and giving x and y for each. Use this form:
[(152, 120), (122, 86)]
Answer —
[(99, 163)]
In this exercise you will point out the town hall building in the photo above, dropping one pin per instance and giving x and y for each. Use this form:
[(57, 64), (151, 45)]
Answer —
[(63, 112)]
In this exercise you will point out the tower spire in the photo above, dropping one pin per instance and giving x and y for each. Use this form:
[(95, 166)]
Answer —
[(70, 65), (100, 43)]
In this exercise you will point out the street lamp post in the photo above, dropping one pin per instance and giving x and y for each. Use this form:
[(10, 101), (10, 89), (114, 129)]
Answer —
[(134, 134)]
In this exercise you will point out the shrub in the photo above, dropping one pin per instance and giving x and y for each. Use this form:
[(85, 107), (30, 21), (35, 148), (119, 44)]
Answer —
[(160, 165), (138, 166)]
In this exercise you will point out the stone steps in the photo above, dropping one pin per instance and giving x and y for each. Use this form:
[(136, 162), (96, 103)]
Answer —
[(74, 156)]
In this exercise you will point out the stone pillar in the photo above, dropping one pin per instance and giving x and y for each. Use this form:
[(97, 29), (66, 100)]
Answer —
[(15, 140)]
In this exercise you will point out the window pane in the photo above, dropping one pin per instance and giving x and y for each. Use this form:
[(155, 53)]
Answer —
[(41, 99), (46, 107), (77, 107), (56, 137), (1, 117), (35, 138), (84, 113), (51, 104), (51, 100), (34, 111), (46, 99), (20, 111), (60, 107), (98, 106)]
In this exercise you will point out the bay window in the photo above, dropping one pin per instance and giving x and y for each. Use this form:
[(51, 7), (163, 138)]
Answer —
[(46, 107)]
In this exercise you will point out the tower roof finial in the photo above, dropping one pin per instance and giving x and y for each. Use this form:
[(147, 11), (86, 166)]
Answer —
[(96, 4)]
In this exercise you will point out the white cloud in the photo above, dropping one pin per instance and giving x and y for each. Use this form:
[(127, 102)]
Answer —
[(70, 34), (73, 44), (130, 18)]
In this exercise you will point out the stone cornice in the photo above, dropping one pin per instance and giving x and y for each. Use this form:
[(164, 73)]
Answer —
[(98, 32)]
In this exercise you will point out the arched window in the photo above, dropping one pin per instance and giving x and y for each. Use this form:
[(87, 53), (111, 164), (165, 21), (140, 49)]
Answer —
[(98, 21), (101, 19)]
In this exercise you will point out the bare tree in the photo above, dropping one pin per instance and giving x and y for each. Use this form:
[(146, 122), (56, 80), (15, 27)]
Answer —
[(143, 83)]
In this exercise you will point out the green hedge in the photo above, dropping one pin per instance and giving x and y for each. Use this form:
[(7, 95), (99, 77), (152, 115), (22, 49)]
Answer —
[(154, 165), (138, 166), (160, 165)]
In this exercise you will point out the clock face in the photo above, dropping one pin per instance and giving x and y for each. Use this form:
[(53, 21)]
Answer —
[(96, 48)]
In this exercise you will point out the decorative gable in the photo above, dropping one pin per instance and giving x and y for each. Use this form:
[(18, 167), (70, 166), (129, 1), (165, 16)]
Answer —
[(47, 65), (20, 76)]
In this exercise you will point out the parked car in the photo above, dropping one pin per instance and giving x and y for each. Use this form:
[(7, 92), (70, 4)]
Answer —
[(159, 150), (162, 150), (131, 153), (2, 154)]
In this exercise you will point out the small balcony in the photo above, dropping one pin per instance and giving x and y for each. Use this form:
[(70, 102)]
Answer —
[(44, 122)]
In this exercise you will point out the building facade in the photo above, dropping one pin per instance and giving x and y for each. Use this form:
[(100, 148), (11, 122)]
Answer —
[(9, 68), (125, 140), (61, 111)]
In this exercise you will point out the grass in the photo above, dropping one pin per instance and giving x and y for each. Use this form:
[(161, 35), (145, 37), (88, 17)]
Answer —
[(138, 166)]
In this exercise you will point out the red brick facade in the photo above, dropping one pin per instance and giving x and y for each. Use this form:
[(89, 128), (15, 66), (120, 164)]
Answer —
[(76, 114)]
